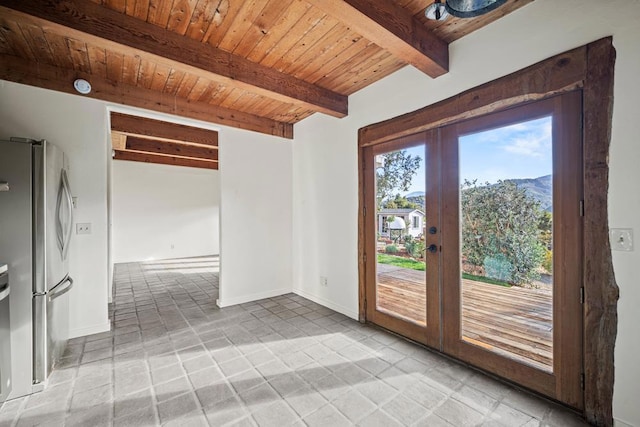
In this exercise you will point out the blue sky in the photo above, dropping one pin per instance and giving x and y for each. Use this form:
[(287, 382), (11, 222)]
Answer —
[(522, 150)]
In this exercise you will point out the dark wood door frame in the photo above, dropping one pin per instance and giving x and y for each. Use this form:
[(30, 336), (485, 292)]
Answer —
[(589, 68)]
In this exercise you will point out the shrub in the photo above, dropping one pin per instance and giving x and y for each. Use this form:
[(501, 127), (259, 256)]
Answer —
[(410, 246), (501, 222), (391, 249), (415, 248), (498, 268)]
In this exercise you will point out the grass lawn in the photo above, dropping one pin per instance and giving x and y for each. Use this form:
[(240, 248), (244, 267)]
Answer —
[(399, 261), (420, 266)]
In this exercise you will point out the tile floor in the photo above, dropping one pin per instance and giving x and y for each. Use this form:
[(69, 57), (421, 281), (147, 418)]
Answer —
[(173, 358)]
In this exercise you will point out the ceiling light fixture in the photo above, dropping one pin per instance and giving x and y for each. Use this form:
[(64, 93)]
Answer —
[(460, 8), (472, 8), (436, 12), (82, 86)]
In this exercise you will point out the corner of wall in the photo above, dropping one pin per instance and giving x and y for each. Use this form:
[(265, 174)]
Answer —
[(90, 330)]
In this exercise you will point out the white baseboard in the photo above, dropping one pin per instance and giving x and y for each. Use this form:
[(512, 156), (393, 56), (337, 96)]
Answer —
[(329, 304), (227, 302), (618, 423), (89, 330)]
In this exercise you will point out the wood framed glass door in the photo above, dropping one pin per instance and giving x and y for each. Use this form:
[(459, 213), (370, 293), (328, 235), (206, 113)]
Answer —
[(402, 222), (503, 285), (521, 228)]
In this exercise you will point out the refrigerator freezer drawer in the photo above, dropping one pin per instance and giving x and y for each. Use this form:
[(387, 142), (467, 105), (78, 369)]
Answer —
[(50, 328), (5, 338)]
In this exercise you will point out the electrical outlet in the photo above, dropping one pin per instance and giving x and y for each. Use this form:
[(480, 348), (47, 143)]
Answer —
[(324, 281), (621, 239), (83, 228)]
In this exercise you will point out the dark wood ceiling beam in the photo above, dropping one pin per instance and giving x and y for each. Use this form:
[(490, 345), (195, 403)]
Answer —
[(393, 28), (155, 146), (133, 125), (179, 51), (135, 156), (38, 74)]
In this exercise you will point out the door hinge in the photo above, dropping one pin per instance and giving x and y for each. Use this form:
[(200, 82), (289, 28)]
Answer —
[(365, 306), (364, 211), (581, 207), (581, 294), (582, 381), (364, 258)]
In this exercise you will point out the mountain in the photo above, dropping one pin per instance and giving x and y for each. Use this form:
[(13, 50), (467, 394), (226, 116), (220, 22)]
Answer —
[(416, 197), (540, 188), (414, 194)]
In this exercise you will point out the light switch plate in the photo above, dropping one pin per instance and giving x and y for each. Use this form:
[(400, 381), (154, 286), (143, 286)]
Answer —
[(83, 228), (621, 239)]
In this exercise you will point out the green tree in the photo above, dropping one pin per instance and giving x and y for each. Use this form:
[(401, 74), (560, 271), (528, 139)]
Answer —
[(400, 202), (395, 174), (500, 231)]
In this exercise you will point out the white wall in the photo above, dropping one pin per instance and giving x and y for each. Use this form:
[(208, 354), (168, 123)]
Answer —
[(162, 211), (79, 127), (256, 217), (325, 154)]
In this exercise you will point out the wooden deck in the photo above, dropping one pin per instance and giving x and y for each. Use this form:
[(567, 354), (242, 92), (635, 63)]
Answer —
[(514, 322)]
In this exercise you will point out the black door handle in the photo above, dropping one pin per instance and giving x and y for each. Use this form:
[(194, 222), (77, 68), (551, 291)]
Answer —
[(433, 249)]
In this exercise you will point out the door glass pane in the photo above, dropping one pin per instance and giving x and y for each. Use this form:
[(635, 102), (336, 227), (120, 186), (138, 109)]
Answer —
[(400, 222), (507, 241)]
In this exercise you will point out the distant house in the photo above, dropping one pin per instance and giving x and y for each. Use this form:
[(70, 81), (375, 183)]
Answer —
[(413, 218)]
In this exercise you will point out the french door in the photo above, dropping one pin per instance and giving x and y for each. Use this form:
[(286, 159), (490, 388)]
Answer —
[(402, 292), (474, 244)]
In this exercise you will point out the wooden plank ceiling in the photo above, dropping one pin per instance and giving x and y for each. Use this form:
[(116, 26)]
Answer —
[(261, 65)]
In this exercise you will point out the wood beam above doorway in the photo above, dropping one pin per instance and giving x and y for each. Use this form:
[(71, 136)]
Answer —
[(157, 146), (159, 129)]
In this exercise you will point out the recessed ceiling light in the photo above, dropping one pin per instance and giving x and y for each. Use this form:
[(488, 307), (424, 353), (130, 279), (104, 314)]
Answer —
[(82, 86)]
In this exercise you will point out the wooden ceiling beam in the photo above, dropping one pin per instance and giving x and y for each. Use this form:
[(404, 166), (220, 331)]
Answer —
[(135, 156), (100, 24), (38, 74), (393, 28), (142, 126), (155, 146)]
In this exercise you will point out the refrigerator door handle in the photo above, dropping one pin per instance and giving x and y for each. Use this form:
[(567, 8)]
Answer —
[(59, 289), (65, 238), (59, 229), (4, 288), (4, 292)]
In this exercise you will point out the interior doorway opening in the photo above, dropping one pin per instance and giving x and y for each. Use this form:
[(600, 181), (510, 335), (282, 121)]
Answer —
[(164, 197)]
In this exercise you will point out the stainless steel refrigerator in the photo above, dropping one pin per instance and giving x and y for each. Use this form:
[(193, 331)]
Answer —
[(36, 221)]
